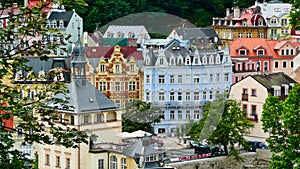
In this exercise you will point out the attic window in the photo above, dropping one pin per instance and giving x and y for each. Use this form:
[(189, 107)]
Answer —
[(91, 100), (260, 52), (242, 52), (277, 9)]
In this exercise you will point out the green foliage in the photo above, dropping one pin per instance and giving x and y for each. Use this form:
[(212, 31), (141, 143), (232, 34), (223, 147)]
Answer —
[(294, 14), (38, 120), (140, 115), (223, 123), (281, 119)]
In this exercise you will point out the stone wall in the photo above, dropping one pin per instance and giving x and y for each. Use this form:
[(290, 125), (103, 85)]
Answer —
[(252, 160)]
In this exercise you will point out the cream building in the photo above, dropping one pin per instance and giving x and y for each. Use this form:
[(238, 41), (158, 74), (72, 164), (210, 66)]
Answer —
[(252, 92)]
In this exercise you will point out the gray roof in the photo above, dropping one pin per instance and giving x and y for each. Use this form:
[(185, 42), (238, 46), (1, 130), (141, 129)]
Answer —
[(274, 8), (138, 149), (274, 79), (85, 98), (65, 16), (207, 34)]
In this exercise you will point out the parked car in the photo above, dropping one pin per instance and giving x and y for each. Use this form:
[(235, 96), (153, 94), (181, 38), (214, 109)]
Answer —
[(256, 145)]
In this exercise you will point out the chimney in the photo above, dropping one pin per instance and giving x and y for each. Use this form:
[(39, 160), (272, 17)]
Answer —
[(25, 3), (236, 12), (227, 11), (15, 5)]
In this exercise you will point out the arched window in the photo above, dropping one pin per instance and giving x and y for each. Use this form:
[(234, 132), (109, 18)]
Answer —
[(123, 163), (113, 162)]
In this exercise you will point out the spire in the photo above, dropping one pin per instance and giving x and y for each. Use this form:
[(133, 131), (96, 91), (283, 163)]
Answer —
[(79, 60)]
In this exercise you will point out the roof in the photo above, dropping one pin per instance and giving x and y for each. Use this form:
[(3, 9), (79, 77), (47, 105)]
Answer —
[(85, 98), (274, 8), (125, 29), (65, 16), (138, 149), (274, 79), (249, 43)]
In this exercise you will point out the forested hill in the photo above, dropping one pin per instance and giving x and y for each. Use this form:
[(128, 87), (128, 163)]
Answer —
[(198, 12)]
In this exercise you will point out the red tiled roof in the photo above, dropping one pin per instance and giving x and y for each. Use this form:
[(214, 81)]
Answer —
[(106, 51), (249, 43), (138, 55)]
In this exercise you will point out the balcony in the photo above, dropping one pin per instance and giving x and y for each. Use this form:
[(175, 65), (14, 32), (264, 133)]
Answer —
[(245, 97)]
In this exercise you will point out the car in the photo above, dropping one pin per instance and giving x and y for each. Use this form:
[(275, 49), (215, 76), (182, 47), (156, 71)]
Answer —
[(256, 145), (193, 144)]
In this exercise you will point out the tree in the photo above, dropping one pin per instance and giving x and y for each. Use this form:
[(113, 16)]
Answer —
[(140, 115), (294, 14), (23, 32), (223, 123), (281, 120)]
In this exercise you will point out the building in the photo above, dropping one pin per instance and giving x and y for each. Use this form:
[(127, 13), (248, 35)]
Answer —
[(125, 35), (91, 111), (252, 92), (252, 56), (116, 72), (201, 37), (262, 20), (181, 81)]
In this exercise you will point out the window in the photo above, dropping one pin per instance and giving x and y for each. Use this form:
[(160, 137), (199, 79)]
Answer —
[(249, 35), (113, 162), (179, 96), (132, 67), (147, 79), (204, 95), (245, 108), (273, 21), (242, 52), (188, 78), (98, 118), (277, 92), (283, 21), (68, 163), (196, 96), (172, 115), (245, 91), (57, 161), (226, 77), (188, 114), (72, 120), (161, 96), (102, 86), (132, 86), (150, 157), (261, 35), (161, 61), (102, 68), (266, 66), (260, 52), (172, 96), (287, 52), (179, 114), (282, 52), (188, 96), (117, 86), (211, 94), (123, 163), (196, 79), (47, 159), (161, 79), (253, 92), (85, 119), (172, 79), (276, 64), (100, 163), (260, 22), (240, 35), (204, 60), (273, 32), (117, 68), (284, 64), (179, 78), (292, 64), (196, 114), (147, 96), (204, 76), (218, 77), (211, 77), (26, 150), (253, 110)]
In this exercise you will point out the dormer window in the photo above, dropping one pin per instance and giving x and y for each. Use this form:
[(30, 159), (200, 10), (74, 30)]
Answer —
[(218, 60), (260, 22), (211, 60), (260, 52), (120, 35), (117, 68), (242, 52), (161, 61), (130, 35), (54, 24), (273, 21), (244, 23), (204, 60), (61, 24), (109, 35), (196, 61)]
